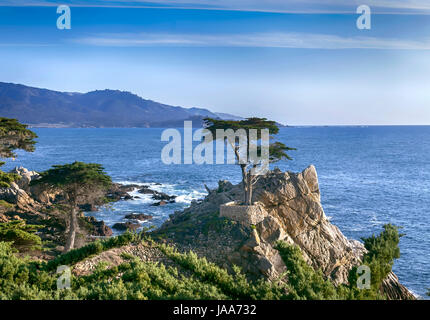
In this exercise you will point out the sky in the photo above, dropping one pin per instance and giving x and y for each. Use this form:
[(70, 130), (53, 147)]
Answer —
[(299, 62)]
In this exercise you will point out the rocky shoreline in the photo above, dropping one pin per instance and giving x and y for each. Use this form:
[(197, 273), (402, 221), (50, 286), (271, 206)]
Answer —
[(37, 206), (289, 209)]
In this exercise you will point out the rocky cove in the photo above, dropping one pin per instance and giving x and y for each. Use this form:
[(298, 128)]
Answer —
[(289, 209), (39, 205)]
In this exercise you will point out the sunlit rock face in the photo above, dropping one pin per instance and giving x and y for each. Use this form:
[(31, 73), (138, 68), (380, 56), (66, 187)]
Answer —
[(290, 208)]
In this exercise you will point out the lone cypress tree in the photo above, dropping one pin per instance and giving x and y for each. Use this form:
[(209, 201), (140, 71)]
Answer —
[(277, 150), (13, 136), (79, 183)]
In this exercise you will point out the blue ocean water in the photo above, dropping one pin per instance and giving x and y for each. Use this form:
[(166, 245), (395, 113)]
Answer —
[(368, 176)]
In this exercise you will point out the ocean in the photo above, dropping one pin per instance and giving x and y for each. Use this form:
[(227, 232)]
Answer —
[(368, 176)]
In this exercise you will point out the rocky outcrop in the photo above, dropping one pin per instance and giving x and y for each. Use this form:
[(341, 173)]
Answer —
[(120, 192), (123, 226), (291, 210), (393, 289), (156, 195), (99, 228), (138, 216), (22, 193), (14, 194)]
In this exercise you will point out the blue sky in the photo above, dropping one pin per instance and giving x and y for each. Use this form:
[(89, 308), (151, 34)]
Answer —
[(299, 62)]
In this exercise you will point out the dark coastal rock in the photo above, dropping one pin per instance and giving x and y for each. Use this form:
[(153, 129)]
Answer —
[(159, 203), (128, 187), (88, 207), (146, 190), (162, 196), (99, 228), (162, 203), (138, 216), (123, 226), (156, 195), (120, 192)]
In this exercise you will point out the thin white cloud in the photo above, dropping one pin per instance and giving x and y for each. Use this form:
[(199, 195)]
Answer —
[(18, 44), (293, 6), (257, 40)]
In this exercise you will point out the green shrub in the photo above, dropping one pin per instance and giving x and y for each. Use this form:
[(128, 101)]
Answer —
[(235, 285), (196, 278), (20, 233), (90, 249), (306, 283), (303, 281), (382, 251)]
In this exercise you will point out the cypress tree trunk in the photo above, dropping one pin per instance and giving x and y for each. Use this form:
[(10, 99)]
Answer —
[(70, 242), (250, 188), (245, 183)]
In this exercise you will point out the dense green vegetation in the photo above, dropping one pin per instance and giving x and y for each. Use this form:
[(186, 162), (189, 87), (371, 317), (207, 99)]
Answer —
[(234, 286), (20, 233), (90, 249), (189, 277), (382, 250), (303, 281), (306, 283)]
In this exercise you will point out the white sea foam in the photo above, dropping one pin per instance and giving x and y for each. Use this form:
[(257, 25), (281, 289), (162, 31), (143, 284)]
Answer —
[(190, 196), (183, 195)]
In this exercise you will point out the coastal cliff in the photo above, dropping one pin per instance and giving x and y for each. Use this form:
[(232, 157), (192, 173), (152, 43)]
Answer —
[(290, 209)]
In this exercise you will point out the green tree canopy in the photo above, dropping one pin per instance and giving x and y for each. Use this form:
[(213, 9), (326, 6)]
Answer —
[(277, 150), (13, 136), (80, 183)]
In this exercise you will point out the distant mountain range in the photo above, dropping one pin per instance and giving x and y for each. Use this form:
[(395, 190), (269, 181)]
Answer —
[(101, 108)]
